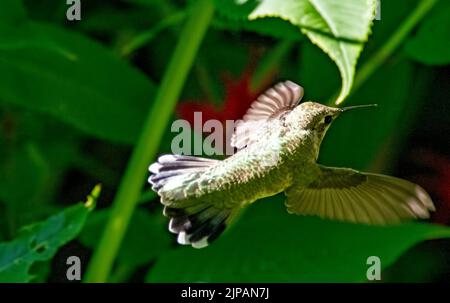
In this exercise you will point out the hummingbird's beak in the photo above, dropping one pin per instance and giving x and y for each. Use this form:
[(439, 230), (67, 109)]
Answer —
[(344, 109)]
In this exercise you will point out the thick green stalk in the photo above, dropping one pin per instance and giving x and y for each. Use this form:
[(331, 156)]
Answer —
[(148, 143)]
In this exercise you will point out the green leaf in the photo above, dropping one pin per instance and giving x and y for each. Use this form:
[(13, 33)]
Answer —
[(431, 44), (146, 238), (269, 245), (364, 139), (91, 89), (339, 28), (40, 241), (395, 87)]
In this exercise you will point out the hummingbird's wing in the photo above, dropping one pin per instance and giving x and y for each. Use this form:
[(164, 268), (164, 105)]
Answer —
[(348, 195), (275, 101)]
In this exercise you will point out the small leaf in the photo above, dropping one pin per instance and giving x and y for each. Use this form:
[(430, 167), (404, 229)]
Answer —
[(339, 28), (269, 245), (431, 44), (40, 242)]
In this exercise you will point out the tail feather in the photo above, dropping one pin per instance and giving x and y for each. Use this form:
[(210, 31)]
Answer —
[(172, 173), (198, 229), (197, 222)]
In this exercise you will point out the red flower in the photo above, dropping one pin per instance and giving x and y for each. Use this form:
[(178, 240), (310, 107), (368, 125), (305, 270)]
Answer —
[(238, 97), (239, 94)]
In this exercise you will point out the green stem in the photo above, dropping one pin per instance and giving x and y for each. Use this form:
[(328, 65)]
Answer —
[(148, 143), (393, 43), (146, 36)]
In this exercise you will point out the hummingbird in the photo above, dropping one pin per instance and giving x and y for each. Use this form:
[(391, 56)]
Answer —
[(278, 142)]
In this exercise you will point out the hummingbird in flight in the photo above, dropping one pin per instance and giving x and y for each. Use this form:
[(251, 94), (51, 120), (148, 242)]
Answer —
[(278, 143)]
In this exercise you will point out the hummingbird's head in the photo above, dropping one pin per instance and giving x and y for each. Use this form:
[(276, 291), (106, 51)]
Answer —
[(317, 118)]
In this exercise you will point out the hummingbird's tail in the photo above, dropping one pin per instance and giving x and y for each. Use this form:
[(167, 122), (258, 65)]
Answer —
[(197, 220), (198, 225)]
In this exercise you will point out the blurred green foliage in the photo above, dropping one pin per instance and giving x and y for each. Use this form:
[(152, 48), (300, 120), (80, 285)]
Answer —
[(65, 84), (74, 97)]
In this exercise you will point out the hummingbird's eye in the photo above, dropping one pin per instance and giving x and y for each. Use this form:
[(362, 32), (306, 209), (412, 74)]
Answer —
[(327, 119)]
